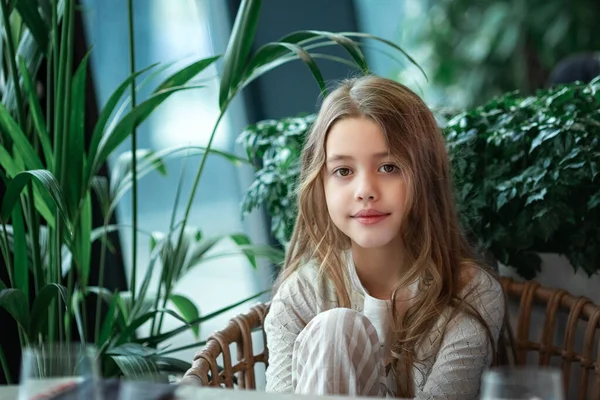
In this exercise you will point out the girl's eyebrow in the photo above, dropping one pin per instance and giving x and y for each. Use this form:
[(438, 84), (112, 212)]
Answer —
[(343, 157)]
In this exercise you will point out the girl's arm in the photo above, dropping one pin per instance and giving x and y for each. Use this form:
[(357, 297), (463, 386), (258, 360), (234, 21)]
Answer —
[(292, 307), (466, 351)]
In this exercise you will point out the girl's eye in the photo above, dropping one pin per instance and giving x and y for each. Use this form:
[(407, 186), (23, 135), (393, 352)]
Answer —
[(388, 168), (342, 172)]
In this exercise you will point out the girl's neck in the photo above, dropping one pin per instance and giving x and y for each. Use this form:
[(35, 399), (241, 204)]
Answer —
[(380, 269)]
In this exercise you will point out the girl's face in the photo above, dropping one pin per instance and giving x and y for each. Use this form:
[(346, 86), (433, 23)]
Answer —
[(364, 188)]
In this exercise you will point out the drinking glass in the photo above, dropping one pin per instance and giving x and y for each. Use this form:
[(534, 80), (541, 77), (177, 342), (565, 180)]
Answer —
[(51, 369), (524, 383)]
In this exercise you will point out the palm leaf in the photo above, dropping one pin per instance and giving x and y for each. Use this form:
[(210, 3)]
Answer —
[(156, 339), (20, 264), (130, 121), (37, 114), (39, 309), (28, 10), (238, 48), (187, 309), (15, 303), (184, 75), (20, 141), (51, 192)]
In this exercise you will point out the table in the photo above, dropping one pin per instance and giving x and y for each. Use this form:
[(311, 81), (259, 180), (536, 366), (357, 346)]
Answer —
[(193, 393)]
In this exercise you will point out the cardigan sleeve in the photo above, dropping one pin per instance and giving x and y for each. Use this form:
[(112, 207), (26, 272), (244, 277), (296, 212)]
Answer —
[(294, 305), (466, 351)]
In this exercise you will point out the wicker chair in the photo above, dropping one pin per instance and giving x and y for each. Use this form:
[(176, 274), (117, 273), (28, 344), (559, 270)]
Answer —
[(205, 370), (515, 348), (543, 318)]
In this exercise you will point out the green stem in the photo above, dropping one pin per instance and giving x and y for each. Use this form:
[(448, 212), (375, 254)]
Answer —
[(59, 99), (171, 350), (34, 231), (171, 227), (68, 43), (13, 63), (4, 364), (134, 187), (100, 284), (6, 253), (188, 207), (49, 95), (70, 291), (57, 271)]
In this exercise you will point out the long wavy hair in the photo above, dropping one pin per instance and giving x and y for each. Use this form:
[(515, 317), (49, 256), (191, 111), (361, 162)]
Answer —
[(436, 249)]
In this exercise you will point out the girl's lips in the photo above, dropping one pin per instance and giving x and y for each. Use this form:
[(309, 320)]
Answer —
[(371, 219)]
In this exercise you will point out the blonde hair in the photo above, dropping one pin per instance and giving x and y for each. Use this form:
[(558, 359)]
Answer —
[(436, 249)]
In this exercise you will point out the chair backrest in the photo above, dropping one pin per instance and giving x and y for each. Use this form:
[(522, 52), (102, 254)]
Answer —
[(580, 313), (206, 371), (555, 328)]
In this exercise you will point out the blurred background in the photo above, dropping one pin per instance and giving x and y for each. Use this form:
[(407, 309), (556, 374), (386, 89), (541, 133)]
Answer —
[(471, 52)]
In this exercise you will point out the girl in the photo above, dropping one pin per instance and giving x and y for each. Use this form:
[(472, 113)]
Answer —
[(380, 294)]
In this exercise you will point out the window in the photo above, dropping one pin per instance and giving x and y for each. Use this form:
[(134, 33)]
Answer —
[(180, 31)]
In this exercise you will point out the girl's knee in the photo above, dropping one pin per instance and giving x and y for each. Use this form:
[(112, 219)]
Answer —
[(339, 324)]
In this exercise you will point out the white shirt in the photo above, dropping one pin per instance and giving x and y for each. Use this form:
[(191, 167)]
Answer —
[(454, 373)]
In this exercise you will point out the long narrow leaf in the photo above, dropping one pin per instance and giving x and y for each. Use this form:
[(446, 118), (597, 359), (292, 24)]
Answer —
[(39, 310), (9, 126), (76, 144), (388, 43), (76, 301), (238, 48), (183, 76), (83, 243), (156, 161), (132, 349), (302, 55), (123, 167), (129, 122), (8, 163), (51, 192), (15, 303), (20, 264), (128, 333), (114, 317), (100, 186), (28, 10), (135, 366), (266, 54), (351, 47), (263, 251), (156, 339), (171, 364), (188, 310), (243, 240), (37, 114), (107, 111)]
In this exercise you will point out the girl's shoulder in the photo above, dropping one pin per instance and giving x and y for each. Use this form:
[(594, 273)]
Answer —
[(307, 285), (483, 291)]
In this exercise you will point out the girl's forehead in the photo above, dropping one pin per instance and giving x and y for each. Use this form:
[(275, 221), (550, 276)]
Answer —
[(356, 136)]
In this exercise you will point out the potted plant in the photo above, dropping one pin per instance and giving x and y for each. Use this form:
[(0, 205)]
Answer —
[(51, 175)]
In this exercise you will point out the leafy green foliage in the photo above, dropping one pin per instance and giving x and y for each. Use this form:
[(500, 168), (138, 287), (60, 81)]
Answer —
[(526, 174), (275, 147), (475, 50)]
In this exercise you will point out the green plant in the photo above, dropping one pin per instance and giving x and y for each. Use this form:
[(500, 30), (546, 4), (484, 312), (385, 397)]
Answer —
[(474, 50), (51, 175), (275, 146), (526, 175), (526, 171)]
